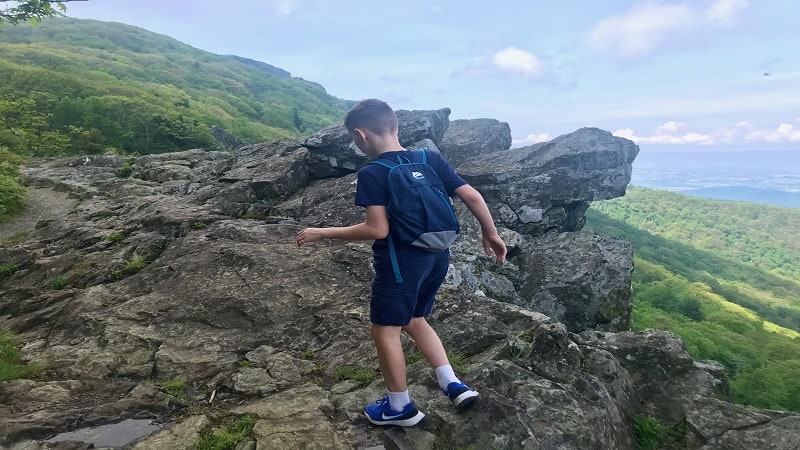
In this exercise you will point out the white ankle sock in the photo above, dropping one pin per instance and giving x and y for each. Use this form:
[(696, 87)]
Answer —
[(445, 375), (399, 400)]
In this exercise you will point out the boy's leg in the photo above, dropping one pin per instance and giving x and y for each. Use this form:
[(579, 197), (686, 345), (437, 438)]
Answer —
[(396, 408), (427, 341), (390, 356)]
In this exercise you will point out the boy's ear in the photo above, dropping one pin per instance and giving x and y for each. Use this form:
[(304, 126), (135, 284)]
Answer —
[(361, 134)]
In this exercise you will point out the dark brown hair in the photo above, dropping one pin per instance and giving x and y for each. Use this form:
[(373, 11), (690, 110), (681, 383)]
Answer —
[(374, 115)]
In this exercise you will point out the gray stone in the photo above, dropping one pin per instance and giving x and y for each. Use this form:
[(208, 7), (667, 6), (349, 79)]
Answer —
[(468, 138)]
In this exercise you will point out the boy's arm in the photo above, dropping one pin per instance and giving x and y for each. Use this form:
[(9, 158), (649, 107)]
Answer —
[(375, 226), (492, 242)]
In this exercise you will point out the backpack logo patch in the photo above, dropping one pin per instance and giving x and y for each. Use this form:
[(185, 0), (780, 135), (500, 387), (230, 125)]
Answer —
[(417, 175)]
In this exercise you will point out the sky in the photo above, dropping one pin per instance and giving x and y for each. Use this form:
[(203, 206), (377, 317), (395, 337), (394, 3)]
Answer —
[(670, 75)]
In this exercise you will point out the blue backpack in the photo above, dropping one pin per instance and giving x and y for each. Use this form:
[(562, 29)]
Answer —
[(420, 212)]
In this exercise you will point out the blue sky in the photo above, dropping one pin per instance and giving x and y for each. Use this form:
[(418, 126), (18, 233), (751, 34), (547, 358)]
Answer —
[(671, 75)]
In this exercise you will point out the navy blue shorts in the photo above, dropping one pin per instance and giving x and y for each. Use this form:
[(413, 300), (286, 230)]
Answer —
[(393, 303)]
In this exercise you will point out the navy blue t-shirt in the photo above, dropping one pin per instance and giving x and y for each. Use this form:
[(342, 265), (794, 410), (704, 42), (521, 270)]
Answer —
[(372, 189)]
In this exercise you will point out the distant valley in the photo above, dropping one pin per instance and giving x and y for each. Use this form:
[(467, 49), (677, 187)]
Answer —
[(768, 177)]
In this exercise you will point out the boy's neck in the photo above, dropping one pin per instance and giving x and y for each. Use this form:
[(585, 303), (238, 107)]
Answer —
[(386, 144)]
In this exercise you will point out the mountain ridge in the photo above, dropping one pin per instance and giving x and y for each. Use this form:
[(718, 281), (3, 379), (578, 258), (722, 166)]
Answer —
[(253, 100)]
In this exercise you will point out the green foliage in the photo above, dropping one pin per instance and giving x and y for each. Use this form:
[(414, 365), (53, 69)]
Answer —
[(131, 266), (175, 387), (227, 437), (414, 357), (744, 315), (81, 86), (514, 350), (11, 365), (126, 170), (31, 11), (12, 194), (58, 283), (714, 242), (458, 361), (649, 432), (652, 434), (197, 225), (114, 237), (8, 269), (748, 233), (136, 263), (348, 372)]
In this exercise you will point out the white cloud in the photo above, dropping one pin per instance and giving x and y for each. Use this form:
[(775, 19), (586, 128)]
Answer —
[(671, 126), (510, 60), (284, 7), (785, 132), (725, 10), (530, 140), (521, 62), (742, 132), (646, 26), (639, 30), (686, 138)]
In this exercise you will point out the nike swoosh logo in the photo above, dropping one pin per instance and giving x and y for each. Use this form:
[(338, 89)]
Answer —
[(385, 417)]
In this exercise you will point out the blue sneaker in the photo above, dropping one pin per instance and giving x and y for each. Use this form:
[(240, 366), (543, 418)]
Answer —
[(461, 395), (381, 413)]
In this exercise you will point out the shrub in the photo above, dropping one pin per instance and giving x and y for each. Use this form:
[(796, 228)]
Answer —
[(649, 432), (58, 283), (226, 438), (114, 237), (129, 267), (11, 365), (12, 196), (348, 372), (8, 269), (175, 387)]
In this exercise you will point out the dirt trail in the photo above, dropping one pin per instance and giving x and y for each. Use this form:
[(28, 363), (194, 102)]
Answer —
[(40, 204)]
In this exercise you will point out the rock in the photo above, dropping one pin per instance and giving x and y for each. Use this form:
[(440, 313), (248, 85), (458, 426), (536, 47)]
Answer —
[(184, 435), (548, 186), (468, 138), (593, 293), (187, 269), (334, 153)]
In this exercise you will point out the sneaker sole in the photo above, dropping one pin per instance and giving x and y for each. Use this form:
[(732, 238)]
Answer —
[(465, 400), (410, 422)]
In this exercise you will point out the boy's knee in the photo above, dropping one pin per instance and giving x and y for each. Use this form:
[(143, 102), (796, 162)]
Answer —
[(415, 324), (383, 331)]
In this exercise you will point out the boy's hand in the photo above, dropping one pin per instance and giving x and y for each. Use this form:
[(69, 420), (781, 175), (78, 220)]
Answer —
[(493, 245), (309, 235)]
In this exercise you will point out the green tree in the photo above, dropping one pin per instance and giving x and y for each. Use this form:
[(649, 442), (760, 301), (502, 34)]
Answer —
[(26, 126), (11, 193), (32, 10)]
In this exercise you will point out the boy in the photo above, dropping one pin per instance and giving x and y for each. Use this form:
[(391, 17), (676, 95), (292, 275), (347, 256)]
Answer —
[(402, 306)]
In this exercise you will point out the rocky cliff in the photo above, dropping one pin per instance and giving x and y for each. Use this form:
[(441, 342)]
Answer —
[(156, 270)]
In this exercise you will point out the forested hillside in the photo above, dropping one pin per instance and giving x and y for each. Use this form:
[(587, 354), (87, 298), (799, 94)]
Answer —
[(723, 275), (83, 86)]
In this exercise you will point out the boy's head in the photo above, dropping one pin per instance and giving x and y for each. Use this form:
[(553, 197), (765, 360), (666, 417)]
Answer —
[(371, 115)]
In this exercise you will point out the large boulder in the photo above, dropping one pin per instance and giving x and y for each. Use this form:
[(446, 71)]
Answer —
[(468, 138), (334, 151), (548, 186)]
